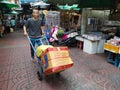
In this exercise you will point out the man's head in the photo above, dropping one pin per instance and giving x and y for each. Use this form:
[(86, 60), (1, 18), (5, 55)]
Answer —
[(35, 13)]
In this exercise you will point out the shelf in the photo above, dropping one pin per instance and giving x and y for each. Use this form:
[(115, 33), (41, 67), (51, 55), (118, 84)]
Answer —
[(110, 26)]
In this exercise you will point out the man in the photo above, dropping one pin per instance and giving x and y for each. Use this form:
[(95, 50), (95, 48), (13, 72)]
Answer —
[(34, 29), (12, 21), (1, 29), (7, 25)]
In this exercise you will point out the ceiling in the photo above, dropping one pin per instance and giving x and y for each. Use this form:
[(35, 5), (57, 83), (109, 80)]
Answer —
[(96, 3), (87, 3)]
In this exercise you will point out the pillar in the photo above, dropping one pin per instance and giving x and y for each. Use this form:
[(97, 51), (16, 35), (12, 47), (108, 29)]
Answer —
[(83, 21)]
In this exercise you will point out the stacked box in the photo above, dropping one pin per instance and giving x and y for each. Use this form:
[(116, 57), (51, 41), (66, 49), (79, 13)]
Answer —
[(100, 46), (89, 46), (58, 60)]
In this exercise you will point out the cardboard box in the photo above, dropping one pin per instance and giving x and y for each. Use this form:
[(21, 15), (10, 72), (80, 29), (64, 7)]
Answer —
[(58, 60), (56, 52)]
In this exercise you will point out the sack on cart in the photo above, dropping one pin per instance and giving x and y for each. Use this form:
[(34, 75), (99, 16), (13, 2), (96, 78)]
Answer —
[(57, 59), (41, 49)]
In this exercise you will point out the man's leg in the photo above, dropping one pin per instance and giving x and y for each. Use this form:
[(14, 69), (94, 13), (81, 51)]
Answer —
[(32, 51), (38, 43)]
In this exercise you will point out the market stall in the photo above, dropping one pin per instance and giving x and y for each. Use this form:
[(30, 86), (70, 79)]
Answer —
[(97, 29), (112, 46), (69, 16)]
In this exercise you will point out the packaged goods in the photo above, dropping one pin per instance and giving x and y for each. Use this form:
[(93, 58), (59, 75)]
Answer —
[(56, 59)]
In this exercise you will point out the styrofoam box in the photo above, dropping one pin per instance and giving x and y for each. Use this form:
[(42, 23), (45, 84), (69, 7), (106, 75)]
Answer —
[(90, 47), (100, 47), (79, 38)]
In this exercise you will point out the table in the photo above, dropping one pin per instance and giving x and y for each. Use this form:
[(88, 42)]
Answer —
[(112, 50)]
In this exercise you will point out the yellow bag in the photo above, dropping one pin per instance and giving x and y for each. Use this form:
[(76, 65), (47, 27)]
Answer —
[(40, 49)]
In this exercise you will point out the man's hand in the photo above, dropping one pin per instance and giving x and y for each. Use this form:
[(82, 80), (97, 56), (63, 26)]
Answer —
[(25, 30), (25, 33), (42, 35)]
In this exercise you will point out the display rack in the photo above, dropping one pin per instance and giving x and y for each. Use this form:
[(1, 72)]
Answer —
[(69, 19), (93, 24)]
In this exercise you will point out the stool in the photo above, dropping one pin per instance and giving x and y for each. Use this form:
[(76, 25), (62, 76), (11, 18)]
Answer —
[(113, 60), (79, 42)]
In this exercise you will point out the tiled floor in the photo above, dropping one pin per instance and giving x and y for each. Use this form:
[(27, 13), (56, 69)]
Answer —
[(17, 72)]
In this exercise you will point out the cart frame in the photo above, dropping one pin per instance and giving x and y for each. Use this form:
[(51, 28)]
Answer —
[(40, 73)]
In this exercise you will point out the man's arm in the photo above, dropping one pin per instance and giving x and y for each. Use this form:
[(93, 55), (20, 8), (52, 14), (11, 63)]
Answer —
[(25, 30), (42, 28)]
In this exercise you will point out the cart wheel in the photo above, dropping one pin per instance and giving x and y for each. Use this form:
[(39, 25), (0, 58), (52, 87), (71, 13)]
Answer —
[(55, 43), (39, 76), (58, 74)]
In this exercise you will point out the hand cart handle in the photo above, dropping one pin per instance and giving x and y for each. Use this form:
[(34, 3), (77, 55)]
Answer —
[(44, 37), (31, 43)]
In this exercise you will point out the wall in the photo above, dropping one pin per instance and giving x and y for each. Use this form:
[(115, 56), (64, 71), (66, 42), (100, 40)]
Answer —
[(89, 13), (101, 14)]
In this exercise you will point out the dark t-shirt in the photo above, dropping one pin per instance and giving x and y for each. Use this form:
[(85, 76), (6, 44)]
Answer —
[(34, 27)]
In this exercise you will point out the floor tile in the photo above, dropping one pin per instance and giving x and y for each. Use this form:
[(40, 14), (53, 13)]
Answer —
[(17, 66), (3, 85), (4, 76), (5, 69), (19, 73), (18, 84)]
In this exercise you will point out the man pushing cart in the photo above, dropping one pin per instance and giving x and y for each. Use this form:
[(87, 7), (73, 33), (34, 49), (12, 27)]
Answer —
[(51, 59)]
